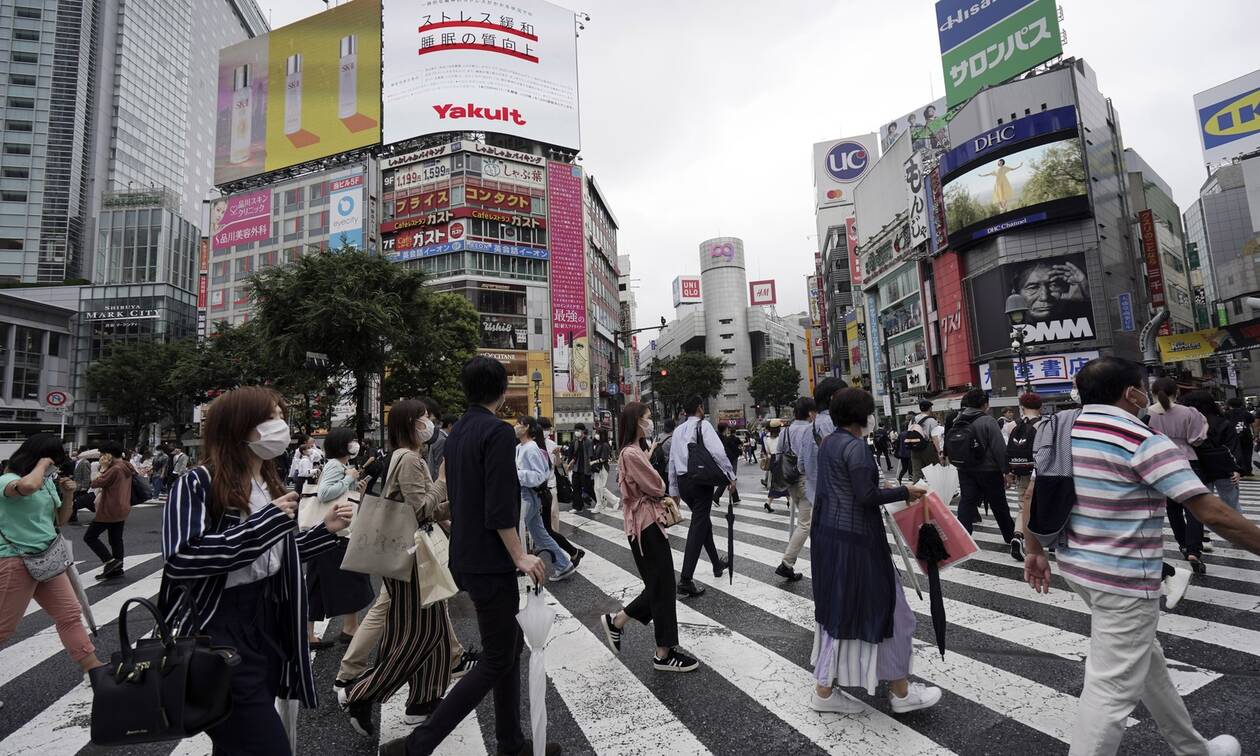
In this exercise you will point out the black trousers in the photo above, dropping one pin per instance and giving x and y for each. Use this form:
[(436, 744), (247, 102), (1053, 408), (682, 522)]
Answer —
[(92, 539), (583, 487), (887, 458), (561, 541), (1245, 450), (1186, 529), (700, 533), (989, 487), (498, 669), (904, 472), (246, 619), (656, 603)]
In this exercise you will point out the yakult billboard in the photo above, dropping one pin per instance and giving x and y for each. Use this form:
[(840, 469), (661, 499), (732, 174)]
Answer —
[(838, 166), (464, 65)]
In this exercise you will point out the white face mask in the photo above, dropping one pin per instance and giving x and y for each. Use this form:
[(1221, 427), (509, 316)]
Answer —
[(870, 426), (647, 426), (353, 448), (425, 431), (273, 439)]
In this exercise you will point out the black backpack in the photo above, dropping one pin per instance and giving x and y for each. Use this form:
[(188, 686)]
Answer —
[(881, 439), (1216, 460), (141, 491), (915, 437), (1019, 447), (962, 445), (702, 468), (660, 459)]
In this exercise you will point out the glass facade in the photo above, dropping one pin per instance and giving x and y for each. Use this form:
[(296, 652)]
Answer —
[(145, 245)]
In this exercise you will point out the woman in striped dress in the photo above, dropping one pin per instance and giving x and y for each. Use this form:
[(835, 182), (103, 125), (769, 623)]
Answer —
[(864, 626)]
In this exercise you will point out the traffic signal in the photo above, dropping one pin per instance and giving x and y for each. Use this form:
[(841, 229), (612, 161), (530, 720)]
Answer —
[(664, 373)]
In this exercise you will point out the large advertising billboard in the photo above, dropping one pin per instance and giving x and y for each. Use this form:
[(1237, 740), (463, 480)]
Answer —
[(1060, 307), (570, 347), (1027, 171), (762, 293), (480, 65), (240, 219), (686, 290), (928, 127), (839, 164), (303, 92), (983, 46), (1229, 118), (345, 198)]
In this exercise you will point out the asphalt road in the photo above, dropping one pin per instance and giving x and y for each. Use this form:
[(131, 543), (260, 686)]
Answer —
[(1011, 675)]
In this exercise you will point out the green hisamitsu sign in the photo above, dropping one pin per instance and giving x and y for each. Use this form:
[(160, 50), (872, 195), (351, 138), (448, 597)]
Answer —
[(1026, 38)]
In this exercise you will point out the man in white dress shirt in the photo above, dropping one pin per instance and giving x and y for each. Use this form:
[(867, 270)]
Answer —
[(699, 497)]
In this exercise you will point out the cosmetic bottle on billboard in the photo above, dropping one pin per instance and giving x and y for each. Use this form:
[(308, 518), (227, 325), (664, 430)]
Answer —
[(293, 94), (348, 92), (242, 115)]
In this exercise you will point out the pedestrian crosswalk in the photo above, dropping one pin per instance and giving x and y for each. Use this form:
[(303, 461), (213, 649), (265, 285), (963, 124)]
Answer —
[(1010, 676)]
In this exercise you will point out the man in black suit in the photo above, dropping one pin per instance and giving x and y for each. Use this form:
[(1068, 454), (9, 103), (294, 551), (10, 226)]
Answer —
[(486, 552)]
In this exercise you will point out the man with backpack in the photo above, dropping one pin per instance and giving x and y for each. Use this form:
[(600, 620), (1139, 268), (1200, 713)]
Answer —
[(659, 457), (1243, 421), (1020, 444), (920, 441), (695, 486), (882, 441), (974, 445)]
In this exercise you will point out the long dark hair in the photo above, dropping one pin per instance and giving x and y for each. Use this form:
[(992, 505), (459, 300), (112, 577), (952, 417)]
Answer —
[(1165, 391), (35, 448), (229, 421), (534, 430), (1203, 401), (631, 415), (402, 423)]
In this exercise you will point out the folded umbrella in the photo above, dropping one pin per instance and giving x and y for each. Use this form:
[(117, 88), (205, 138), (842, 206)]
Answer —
[(72, 572), (931, 551), (536, 620), (730, 537)]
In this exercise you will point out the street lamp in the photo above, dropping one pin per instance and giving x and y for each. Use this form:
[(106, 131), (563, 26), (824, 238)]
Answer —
[(537, 379), (1017, 313)]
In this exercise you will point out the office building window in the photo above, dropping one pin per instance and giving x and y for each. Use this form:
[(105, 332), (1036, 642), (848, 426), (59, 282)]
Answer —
[(244, 267), (12, 196), (268, 259), (28, 359), (219, 272), (12, 125), (16, 149), (24, 12), (293, 228), (317, 223), (292, 254), (15, 172), (26, 35), (23, 57), (22, 80), (54, 345), (218, 299), (292, 200), (241, 295), (317, 192)]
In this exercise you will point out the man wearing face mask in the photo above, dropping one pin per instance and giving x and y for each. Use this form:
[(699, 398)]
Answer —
[(975, 446), (581, 454), (1123, 473)]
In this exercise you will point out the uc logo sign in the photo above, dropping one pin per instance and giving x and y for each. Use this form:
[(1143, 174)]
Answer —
[(847, 161)]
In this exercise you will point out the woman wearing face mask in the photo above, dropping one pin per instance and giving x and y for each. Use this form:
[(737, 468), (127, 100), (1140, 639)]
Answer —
[(1187, 428), (416, 641), (641, 492), (334, 591), (533, 469), (112, 509), (232, 548), (34, 503)]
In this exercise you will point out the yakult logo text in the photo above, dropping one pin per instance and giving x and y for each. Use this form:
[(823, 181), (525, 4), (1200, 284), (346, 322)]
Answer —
[(482, 112), (847, 161)]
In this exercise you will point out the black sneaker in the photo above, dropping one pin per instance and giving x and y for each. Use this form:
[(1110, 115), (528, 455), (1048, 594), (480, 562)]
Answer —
[(551, 749), (111, 569), (394, 748), (1017, 549), (577, 558), (689, 588), (563, 574), (467, 661), (361, 718), (787, 573), (675, 662), (612, 634), (416, 714), (721, 567)]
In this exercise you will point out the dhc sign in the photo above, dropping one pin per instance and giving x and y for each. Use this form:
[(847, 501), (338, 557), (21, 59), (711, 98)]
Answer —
[(1019, 130)]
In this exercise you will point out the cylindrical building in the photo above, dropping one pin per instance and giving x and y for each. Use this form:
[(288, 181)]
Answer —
[(724, 284)]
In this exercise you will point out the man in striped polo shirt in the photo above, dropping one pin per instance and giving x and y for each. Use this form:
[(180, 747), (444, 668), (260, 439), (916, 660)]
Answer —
[(1114, 559)]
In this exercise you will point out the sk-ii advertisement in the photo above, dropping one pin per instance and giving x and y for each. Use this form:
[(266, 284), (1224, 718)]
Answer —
[(345, 201), (1030, 170), (303, 92)]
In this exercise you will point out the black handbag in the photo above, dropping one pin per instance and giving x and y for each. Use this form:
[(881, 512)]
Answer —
[(564, 489), (165, 688), (702, 469)]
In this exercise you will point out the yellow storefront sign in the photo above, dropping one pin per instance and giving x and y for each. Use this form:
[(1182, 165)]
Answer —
[(1180, 347)]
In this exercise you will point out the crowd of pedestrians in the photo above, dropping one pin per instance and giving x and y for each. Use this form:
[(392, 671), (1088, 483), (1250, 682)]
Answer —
[(247, 565)]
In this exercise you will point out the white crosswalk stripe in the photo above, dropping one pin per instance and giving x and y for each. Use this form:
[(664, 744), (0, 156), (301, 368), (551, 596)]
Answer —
[(618, 707)]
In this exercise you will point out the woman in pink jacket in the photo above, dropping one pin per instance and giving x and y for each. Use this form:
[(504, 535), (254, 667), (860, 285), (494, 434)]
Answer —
[(641, 494)]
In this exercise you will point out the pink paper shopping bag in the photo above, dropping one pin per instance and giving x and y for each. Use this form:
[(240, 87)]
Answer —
[(958, 542)]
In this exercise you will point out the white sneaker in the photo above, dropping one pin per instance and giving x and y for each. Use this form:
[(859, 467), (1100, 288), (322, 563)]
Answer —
[(1224, 745), (837, 702), (1175, 586), (919, 696)]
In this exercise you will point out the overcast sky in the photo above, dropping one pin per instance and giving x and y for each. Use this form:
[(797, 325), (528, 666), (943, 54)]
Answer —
[(698, 116)]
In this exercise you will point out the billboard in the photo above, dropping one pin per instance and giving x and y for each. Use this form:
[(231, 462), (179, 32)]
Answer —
[(851, 246), (762, 293), (981, 47), (928, 127), (686, 290), (303, 92), (1027, 171), (839, 164), (1060, 307), (917, 198), (1229, 118), (475, 65), (570, 356), (1150, 256), (240, 219), (345, 198), (1228, 339), (1042, 369)]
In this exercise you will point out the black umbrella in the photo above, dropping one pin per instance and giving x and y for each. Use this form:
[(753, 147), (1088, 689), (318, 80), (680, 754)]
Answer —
[(930, 552), (730, 537)]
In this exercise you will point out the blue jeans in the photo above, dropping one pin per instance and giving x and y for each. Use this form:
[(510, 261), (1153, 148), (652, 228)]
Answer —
[(158, 484), (1227, 489), (541, 538)]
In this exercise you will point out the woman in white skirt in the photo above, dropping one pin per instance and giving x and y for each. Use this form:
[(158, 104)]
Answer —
[(864, 627)]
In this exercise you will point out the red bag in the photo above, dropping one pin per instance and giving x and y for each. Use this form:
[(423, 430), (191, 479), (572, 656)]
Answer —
[(958, 542)]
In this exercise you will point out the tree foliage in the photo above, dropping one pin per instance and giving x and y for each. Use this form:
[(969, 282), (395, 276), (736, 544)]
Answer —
[(775, 383), (431, 363), (688, 374), (1058, 173), (133, 382)]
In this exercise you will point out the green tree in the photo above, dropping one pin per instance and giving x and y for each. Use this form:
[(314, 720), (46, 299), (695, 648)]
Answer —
[(1058, 173), (687, 374), (431, 362), (775, 383), (130, 382)]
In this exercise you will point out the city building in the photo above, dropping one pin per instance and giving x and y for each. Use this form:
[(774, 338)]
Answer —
[(36, 357), (1148, 192), (607, 343), (629, 388)]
